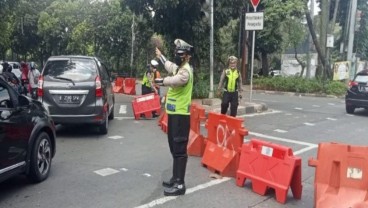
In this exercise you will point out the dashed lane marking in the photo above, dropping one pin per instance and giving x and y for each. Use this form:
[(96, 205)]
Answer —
[(124, 118), (280, 130), (123, 109), (298, 108), (331, 119), (116, 137), (309, 124), (106, 171), (317, 106)]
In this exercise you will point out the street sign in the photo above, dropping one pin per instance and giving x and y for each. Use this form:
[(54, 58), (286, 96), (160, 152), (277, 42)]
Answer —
[(254, 21), (255, 3)]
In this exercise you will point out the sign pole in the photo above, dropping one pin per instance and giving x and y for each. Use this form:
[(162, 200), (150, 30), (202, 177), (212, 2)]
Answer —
[(252, 61)]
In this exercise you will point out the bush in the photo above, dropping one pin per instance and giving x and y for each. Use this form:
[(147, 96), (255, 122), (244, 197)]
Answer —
[(201, 87), (300, 85)]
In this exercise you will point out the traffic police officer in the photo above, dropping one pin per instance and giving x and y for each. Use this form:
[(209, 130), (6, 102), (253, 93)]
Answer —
[(178, 100), (147, 81), (231, 83)]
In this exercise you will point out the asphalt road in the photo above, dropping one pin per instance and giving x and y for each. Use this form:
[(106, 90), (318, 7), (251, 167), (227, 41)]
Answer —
[(126, 167)]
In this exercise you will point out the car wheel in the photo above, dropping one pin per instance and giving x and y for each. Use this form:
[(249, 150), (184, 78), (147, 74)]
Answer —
[(112, 115), (103, 128), (41, 156), (350, 109)]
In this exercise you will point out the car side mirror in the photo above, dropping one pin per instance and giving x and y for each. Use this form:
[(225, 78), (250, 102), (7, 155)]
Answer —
[(22, 101)]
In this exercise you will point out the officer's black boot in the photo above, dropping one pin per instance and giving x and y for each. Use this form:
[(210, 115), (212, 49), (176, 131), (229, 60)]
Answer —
[(170, 182), (178, 187)]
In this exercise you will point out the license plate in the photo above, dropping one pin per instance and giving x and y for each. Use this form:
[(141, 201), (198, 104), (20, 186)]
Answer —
[(73, 99)]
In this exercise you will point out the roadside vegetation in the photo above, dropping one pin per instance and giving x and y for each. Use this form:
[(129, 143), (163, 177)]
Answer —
[(300, 85)]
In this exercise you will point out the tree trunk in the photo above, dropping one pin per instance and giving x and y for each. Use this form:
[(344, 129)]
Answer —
[(264, 63), (302, 64), (321, 56)]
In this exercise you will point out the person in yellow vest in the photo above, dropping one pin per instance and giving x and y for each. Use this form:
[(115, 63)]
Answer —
[(148, 85), (178, 100), (231, 84)]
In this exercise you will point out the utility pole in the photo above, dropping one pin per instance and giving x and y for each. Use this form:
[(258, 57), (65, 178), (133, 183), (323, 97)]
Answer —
[(323, 35), (132, 52), (310, 47), (211, 50), (353, 8)]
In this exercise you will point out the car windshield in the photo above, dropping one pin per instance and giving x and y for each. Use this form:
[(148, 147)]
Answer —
[(71, 69), (361, 78)]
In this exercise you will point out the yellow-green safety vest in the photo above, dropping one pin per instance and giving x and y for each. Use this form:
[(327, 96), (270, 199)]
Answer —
[(231, 80), (178, 99)]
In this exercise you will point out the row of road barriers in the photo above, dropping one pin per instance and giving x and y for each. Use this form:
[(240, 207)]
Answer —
[(341, 178), (124, 85)]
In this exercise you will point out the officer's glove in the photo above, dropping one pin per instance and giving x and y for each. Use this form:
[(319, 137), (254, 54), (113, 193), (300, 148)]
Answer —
[(159, 81)]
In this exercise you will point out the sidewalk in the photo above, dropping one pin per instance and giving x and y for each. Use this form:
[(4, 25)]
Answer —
[(245, 107)]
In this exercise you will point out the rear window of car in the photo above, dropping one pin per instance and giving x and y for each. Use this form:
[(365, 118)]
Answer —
[(74, 69), (361, 78)]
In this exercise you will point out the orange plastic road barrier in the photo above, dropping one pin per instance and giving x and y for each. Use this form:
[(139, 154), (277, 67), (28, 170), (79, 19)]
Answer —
[(129, 86), (145, 105), (225, 136), (162, 121), (341, 178), (270, 165), (119, 85), (196, 143)]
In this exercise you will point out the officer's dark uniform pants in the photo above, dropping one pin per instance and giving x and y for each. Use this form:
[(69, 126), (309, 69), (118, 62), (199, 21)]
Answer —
[(178, 134), (232, 98)]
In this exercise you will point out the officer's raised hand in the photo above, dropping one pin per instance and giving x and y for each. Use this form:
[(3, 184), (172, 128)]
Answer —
[(158, 53)]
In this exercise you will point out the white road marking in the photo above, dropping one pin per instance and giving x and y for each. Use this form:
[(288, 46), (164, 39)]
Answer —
[(331, 103), (288, 114), (349, 114), (147, 175), (106, 171), (124, 118), (124, 169), (309, 124), (188, 191), (116, 137), (331, 119), (298, 108), (280, 130), (317, 106), (282, 139), (123, 109)]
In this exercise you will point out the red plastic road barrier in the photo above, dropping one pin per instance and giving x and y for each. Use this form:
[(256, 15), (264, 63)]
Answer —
[(162, 121), (145, 105), (196, 143), (270, 165), (225, 136), (119, 85), (129, 86), (341, 178)]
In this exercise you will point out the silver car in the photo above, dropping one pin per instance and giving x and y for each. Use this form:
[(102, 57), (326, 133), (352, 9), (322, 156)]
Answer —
[(77, 89)]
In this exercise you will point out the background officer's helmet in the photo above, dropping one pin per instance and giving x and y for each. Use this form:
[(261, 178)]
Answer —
[(154, 63), (232, 59)]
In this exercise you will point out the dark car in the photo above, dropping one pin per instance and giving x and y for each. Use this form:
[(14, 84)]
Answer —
[(27, 136), (77, 89), (357, 94)]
